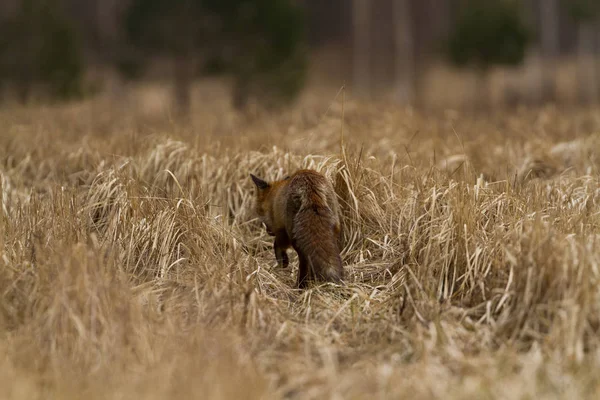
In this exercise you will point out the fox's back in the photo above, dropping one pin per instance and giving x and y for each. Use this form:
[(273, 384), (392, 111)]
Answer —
[(307, 189)]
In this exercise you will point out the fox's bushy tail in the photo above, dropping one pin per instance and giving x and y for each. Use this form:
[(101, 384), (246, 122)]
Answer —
[(315, 241)]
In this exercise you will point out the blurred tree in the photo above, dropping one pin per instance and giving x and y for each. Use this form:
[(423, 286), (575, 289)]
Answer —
[(361, 18), (258, 42), (549, 40), (488, 33), (404, 51), (38, 45), (586, 14), (583, 10)]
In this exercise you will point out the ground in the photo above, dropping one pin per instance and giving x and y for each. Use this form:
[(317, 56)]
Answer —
[(132, 265)]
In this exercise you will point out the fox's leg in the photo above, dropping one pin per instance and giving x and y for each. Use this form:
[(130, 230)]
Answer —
[(282, 257), (280, 246), (337, 230), (302, 272)]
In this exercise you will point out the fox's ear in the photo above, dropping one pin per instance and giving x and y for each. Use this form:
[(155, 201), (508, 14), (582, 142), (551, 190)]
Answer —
[(259, 182)]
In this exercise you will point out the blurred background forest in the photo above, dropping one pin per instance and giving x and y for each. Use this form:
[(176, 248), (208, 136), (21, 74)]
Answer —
[(428, 53)]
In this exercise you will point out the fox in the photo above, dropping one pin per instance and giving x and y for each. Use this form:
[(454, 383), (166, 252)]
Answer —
[(301, 211)]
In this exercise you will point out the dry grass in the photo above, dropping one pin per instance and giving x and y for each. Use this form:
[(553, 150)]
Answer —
[(132, 266)]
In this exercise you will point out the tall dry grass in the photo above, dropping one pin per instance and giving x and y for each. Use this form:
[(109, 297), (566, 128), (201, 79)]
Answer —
[(132, 265)]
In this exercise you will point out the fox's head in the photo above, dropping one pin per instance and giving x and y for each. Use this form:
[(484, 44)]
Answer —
[(262, 205)]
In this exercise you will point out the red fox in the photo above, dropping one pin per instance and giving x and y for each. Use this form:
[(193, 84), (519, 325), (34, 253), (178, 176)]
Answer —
[(301, 211)]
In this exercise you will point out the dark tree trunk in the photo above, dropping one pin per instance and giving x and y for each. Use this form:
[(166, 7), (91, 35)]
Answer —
[(361, 17), (588, 84), (241, 93), (184, 68), (404, 52), (23, 90), (549, 33), (483, 88)]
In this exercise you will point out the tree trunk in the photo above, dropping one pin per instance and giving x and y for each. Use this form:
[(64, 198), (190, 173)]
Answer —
[(404, 52), (241, 92), (483, 88), (549, 33), (107, 19), (361, 17), (23, 90), (597, 56), (183, 74), (588, 84)]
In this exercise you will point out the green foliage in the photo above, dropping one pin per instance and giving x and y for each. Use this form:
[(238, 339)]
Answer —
[(170, 27), (258, 42), (488, 32), (583, 10), (61, 59), (40, 46), (270, 61)]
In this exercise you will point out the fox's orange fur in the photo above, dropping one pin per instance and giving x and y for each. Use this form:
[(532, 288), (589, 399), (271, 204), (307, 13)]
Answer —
[(301, 211)]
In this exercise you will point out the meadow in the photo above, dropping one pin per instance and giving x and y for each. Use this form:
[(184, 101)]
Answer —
[(132, 265)]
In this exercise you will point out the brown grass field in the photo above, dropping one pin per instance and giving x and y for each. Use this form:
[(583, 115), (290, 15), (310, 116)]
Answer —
[(132, 266)]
